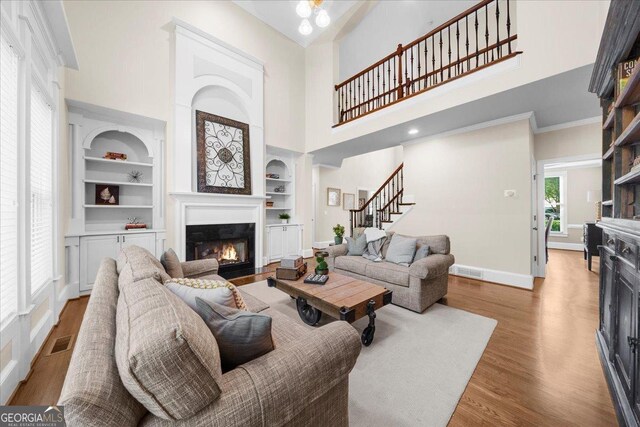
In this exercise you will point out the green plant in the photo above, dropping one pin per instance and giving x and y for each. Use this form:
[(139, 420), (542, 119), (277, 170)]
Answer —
[(338, 230), (284, 215)]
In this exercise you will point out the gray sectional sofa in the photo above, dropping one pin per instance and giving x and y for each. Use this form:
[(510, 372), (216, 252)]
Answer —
[(415, 287), (143, 357)]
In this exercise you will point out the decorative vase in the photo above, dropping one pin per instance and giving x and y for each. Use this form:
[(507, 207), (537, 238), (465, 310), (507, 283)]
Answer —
[(338, 240), (284, 221)]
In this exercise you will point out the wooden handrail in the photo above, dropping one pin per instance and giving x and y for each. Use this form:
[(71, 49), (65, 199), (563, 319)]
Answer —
[(395, 172), (449, 22), (378, 209), (443, 54), (392, 200)]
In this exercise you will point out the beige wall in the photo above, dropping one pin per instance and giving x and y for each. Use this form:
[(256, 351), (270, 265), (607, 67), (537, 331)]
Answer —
[(543, 57), (579, 210), (458, 183), (5, 355), (367, 171), (125, 53), (570, 142)]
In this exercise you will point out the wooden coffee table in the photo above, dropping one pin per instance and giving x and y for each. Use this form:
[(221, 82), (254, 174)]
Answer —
[(342, 297)]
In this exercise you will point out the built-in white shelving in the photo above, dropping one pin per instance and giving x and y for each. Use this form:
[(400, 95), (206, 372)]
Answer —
[(117, 162), (134, 184), (118, 206)]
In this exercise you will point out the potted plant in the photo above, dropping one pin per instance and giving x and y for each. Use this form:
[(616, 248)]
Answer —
[(284, 217), (338, 230)]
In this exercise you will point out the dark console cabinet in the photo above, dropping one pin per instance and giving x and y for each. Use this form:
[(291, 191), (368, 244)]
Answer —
[(617, 335)]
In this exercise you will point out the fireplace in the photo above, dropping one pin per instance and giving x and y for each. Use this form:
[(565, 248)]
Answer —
[(233, 245)]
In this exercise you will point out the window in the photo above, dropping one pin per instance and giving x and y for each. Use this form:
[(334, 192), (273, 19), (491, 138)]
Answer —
[(8, 180), (41, 190), (555, 206)]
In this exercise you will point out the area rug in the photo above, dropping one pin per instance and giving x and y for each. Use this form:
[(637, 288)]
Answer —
[(417, 367)]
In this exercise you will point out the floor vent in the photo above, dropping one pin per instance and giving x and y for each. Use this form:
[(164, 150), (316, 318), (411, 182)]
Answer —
[(61, 344), (472, 273)]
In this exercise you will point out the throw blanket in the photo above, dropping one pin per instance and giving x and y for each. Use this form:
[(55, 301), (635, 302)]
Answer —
[(375, 241)]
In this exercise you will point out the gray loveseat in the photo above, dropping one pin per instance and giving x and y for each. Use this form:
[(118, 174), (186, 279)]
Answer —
[(172, 360), (415, 287)]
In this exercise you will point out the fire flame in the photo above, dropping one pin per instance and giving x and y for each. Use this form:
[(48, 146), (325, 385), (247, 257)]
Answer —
[(229, 252)]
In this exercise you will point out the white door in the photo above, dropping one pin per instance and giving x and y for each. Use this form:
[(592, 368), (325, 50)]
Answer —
[(291, 241), (276, 246), (147, 241), (93, 249)]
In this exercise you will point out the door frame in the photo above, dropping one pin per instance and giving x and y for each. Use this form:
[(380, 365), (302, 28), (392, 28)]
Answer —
[(541, 262)]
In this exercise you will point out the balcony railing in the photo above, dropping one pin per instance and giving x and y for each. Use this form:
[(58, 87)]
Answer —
[(475, 39)]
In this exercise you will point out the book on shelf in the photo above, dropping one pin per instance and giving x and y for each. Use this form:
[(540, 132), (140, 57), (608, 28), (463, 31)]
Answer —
[(625, 69), (136, 226)]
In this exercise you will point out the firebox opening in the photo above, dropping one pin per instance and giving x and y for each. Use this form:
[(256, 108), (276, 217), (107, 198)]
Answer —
[(233, 245)]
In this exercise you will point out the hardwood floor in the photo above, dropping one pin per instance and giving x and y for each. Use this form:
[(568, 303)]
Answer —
[(539, 368)]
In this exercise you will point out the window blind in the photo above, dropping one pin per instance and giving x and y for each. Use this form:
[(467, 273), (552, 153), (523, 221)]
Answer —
[(8, 180), (41, 190)]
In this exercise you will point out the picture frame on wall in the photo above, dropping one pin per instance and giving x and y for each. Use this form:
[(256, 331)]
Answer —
[(348, 201), (223, 157), (333, 196), (108, 195)]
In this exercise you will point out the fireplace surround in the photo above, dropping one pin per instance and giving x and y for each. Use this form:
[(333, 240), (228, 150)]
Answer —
[(233, 245)]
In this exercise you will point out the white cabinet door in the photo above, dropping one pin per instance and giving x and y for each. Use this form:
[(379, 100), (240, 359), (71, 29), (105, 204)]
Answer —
[(276, 237), (291, 240), (145, 240), (93, 249)]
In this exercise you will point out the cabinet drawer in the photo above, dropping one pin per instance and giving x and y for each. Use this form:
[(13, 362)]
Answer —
[(608, 240), (627, 250)]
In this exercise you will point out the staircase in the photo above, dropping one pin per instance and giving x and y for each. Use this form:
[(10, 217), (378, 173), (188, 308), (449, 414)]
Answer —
[(387, 205)]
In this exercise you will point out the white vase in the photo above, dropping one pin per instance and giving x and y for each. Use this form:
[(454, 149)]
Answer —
[(285, 221)]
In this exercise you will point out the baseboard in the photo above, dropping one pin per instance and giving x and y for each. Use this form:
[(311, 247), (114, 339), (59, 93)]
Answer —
[(517, 280), (307, 253), (566, 246)]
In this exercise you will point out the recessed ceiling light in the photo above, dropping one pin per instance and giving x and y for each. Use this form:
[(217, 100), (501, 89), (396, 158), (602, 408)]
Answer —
[(413, 131)]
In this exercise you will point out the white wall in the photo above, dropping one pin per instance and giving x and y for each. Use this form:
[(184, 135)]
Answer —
[(574, 141), (458, 183), (367, 171)]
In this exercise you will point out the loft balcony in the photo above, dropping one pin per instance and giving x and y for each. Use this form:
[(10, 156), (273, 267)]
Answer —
[(475, 39)]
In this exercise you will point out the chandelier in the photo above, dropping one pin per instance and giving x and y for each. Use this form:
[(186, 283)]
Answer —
[(305, 9)]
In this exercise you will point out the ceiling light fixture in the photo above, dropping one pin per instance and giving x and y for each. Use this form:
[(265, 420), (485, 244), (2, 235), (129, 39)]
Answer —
[(322, 19), (305, 27), (413, 131), (305, 8)]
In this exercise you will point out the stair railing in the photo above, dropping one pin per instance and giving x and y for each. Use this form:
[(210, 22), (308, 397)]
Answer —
[(476, 38), (378, 209)]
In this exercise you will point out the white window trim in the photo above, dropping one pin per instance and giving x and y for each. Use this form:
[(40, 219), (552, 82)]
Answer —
[(563, 203), (28, 28)]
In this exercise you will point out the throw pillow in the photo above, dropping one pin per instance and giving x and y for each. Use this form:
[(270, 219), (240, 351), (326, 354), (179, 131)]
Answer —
[(241, 336), (422, 252), (356, 246), (217, 291), (171, 263), (401, 249)]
